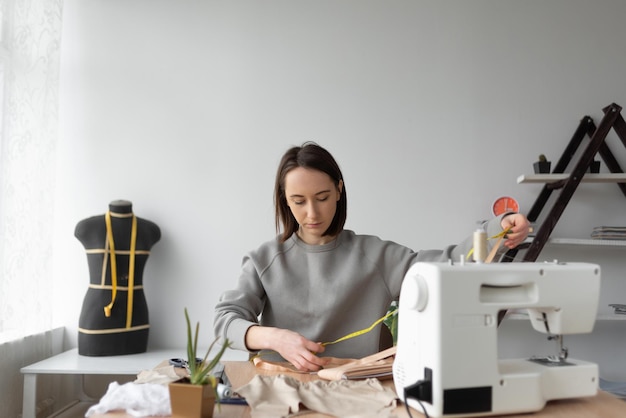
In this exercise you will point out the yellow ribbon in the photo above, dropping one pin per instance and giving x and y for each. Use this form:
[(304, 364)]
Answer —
[(131, 269)]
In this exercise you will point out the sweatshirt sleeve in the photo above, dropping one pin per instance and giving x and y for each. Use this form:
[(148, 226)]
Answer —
[(239, 309), (452, 252)]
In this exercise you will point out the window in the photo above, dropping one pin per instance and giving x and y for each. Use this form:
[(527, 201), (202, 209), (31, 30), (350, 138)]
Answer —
[(29, 81)]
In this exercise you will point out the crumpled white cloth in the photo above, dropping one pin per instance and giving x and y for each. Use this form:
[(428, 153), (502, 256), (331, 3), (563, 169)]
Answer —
[(138, 400), (148, 395), (280, 396)]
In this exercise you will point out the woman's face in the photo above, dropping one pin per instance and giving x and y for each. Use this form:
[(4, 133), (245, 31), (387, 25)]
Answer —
[(312, 197)]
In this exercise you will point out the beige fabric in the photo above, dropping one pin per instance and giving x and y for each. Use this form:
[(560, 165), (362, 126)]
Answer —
[(280, 396), (375, 365), (162, 375), (369, 366)]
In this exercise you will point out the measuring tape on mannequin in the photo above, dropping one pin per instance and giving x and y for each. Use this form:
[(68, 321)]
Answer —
[(131, 268)]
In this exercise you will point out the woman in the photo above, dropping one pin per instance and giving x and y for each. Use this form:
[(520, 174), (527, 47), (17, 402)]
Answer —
[(316, 282)]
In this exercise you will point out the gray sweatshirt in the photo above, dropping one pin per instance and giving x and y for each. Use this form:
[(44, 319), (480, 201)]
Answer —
[(323, 292)]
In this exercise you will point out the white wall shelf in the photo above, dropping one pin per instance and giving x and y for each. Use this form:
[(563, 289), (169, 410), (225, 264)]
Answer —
[(587, 242), (582, 242), (587, 178)]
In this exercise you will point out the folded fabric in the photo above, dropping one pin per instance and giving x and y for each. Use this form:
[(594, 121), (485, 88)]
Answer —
[(162, 375), (138, 400), (279, 396), (376, 365)]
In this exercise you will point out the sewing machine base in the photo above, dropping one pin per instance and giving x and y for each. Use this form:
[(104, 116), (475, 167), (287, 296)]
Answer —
[(525, 385)]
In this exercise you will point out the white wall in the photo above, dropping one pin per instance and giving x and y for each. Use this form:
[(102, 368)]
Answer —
[(432, 109)]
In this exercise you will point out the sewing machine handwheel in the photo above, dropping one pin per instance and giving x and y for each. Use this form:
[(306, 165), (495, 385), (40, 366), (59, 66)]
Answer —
[(415, 293)]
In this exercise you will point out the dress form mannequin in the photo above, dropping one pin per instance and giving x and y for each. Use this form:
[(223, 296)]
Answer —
[(125, 330)]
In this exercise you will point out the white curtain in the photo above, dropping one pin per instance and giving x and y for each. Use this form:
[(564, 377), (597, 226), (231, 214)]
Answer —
[(31, 37)]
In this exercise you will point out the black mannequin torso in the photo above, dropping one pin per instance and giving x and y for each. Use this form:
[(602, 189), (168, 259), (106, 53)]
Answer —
[(92, 233), (125, 331)]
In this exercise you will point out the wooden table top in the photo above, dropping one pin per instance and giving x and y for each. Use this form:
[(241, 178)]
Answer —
[(241, 372)]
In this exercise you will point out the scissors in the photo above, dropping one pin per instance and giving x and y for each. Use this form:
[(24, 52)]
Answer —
[(182, 363)]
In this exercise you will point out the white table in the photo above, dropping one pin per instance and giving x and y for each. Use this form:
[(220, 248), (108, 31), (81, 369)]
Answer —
[(70, 362)]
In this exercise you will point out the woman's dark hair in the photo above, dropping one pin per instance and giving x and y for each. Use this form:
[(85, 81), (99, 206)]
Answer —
[(309, 155)]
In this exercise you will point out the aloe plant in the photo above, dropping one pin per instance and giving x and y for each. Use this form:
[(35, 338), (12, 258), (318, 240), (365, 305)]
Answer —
[(200, 372)]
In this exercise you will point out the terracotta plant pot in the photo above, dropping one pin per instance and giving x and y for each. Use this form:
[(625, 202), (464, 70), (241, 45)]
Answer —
[(191, 401)]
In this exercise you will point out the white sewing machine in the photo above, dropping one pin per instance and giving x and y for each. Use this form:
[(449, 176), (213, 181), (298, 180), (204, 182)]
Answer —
[(447, 354)]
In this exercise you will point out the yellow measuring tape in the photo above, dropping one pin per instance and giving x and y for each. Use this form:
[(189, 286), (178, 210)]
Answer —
[(131, 269), (363, 331)]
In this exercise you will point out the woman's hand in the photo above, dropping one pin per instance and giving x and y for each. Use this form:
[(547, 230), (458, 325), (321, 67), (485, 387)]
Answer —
[(292, 346), (520, 227)]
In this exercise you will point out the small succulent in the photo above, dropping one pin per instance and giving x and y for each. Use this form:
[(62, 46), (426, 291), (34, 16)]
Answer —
[(542, 158), (200, 371)]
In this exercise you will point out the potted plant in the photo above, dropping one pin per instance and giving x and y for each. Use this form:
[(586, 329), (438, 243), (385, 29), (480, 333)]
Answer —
[(195, 396), (594, 167), (542, 165)]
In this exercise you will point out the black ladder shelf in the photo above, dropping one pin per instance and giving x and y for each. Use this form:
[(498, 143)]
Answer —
[(612, 119)]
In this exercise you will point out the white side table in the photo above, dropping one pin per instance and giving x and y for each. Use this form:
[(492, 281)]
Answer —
[(70, 362)]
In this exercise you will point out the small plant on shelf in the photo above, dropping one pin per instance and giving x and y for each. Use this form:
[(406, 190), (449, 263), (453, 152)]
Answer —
[(542, 165)]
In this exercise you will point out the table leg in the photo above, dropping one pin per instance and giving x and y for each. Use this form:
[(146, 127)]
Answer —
[(79, 384), (29, 400)]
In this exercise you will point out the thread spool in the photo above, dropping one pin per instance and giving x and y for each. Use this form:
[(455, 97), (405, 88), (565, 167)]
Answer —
[(480, 246)]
